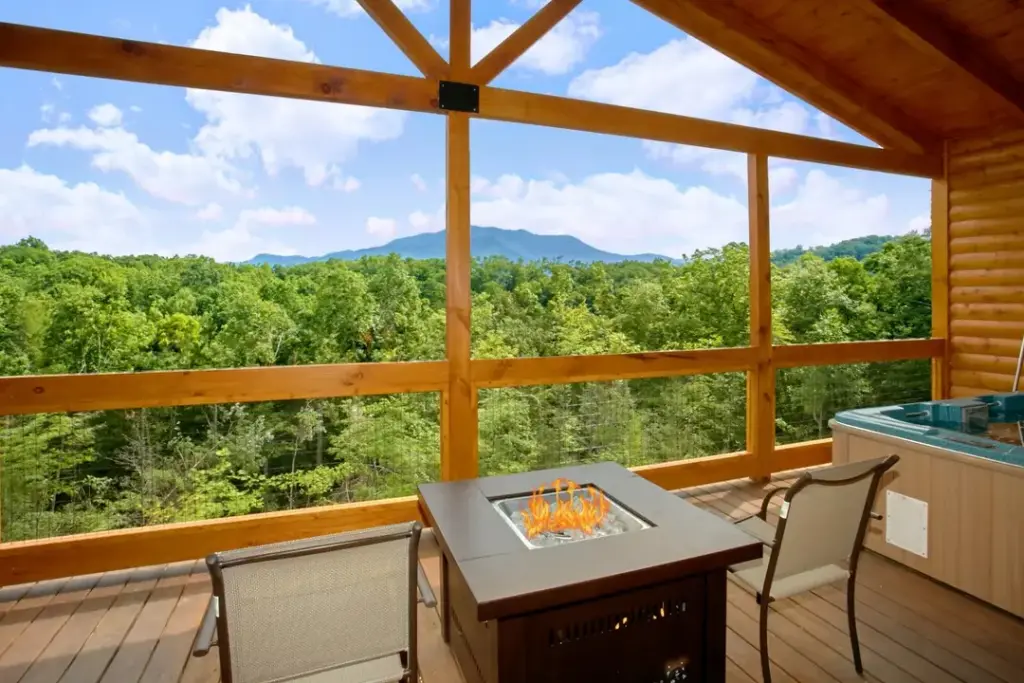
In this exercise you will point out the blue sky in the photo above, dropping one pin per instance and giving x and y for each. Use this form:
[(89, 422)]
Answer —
[(127, 168)]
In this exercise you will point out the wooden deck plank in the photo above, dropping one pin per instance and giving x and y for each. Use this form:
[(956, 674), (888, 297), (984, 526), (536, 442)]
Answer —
[(139, 627), (104, 641), (895, 652), (940, 635), (23, 651), (19, 615), (990, 629), (946, 659), (175, 645), (137, 647), (51, 664)]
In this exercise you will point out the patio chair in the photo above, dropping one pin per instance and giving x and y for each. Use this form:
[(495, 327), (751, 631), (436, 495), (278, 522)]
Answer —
[(330, 609), (818, 539)]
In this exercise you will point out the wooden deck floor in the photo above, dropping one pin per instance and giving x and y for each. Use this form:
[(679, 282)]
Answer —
[(138, 625)]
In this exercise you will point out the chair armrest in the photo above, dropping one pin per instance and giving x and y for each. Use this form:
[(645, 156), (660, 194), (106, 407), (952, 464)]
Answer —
[(763, 512), (426, 592), (207, 631)]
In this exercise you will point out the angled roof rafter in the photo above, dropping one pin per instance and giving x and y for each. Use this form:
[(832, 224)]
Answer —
[(521, 40), (932, 36), (406, 36), (55, 51), (739, 36)]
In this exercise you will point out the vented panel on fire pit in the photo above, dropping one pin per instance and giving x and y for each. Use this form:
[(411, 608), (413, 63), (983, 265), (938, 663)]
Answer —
[(618, 520)]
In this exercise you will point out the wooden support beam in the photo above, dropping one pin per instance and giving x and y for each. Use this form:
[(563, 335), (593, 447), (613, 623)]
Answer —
[(521, 40), (459, 458), (114, 391), (39, 49), (595, 117), (80, 54), (941, 365), (883, 351), (761, 378), (25, 561), (517, 372), (738, 35), (929, 34), (408, 39), (460, 20)]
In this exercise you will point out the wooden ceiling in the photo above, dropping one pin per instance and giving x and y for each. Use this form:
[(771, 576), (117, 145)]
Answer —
[(905, 73)]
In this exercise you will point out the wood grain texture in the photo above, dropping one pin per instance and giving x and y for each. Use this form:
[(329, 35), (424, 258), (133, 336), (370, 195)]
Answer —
[(726, 27), (522, 39), (408, 39), (25, 561), (459, 457), (562, 112), (510, 372), (986, 261), (798, 355), (930, 34), (940, 281), (27, 47), (761, 379), (69, 393)]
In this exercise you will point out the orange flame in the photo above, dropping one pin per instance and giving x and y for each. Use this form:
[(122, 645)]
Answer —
[(574, 511)]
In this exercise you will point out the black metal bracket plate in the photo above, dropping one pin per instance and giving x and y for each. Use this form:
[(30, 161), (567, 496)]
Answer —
[(454, 96)]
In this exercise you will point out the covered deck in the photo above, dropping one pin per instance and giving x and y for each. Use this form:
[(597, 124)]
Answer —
[(139, 624)]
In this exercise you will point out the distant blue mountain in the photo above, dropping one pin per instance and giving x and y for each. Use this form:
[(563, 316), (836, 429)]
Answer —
[(516, 245)]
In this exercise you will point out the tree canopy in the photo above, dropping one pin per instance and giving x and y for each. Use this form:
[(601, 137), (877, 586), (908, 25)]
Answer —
[(70, 312)]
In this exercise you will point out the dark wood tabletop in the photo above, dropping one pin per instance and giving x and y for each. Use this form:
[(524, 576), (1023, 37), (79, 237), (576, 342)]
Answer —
[(506, 577)]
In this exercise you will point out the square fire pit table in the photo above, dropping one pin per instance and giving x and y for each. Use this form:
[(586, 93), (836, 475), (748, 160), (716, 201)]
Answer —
[(640, 600)]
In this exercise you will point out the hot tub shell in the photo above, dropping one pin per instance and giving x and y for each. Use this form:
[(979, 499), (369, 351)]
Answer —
[(974, 522)]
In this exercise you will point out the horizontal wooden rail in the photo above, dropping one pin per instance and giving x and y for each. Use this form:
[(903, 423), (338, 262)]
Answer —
[(883, 351), (41, 49), (515, 372), (796, 456), (71, 393), (25, 561)]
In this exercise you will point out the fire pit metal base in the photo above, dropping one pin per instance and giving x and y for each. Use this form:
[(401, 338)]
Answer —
[(639, 606)]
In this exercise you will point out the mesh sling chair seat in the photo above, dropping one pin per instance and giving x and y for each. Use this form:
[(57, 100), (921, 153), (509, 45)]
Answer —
[(330, 609), (818, 540)]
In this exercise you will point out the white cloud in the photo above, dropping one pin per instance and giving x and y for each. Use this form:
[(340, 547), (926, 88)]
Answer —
[(183, 178), (614, 211), (312, 137), (135, 108), (823, 210), (46, 112), (247, 237), (418, 182), (349, 184), (210, 212), (688, 78), (56, 83), (351, 8), (83, 216), (383, 228), (920, 223), (565, 46), (106, 115)]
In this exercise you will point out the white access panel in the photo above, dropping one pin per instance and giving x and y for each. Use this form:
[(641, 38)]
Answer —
[(906, 523)]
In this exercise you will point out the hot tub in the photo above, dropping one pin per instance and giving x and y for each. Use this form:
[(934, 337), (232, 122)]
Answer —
[(955, 509)]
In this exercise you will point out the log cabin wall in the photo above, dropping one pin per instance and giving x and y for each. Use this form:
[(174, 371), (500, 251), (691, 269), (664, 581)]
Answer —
[(986, 262)]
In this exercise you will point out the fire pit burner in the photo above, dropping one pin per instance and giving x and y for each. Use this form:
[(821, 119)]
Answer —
[(616, 520)]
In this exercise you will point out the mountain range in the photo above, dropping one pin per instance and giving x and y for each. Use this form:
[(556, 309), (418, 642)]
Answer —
[(514, 245), (523, 245)]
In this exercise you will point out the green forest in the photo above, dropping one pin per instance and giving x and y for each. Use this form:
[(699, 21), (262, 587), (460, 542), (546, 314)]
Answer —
[(71, 312)]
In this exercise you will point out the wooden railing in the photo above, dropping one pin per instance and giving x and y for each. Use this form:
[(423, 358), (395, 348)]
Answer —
[(458, 378)]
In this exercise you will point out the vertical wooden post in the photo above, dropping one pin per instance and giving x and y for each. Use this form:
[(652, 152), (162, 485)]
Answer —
[(761, 380), (940, 279), (459, 405)]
